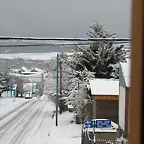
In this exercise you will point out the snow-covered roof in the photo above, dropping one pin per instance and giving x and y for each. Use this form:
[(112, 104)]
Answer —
[(33, 77), (15, 74), (38, 69), (15, 70), (24, 68), (104, 87), (112, 129), (126, 67), (29, 72)]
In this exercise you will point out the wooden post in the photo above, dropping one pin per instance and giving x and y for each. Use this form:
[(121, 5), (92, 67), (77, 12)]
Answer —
[(136, 92)]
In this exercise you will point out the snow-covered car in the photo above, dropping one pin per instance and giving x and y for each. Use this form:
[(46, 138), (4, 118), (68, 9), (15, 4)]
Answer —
[(28, 95)]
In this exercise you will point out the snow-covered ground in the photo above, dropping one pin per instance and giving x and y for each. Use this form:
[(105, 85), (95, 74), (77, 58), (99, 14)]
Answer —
[(65, 132), (30, 56), (25, 121), (11, 104)]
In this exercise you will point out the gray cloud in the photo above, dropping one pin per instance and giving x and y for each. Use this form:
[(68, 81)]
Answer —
[(63, 18)]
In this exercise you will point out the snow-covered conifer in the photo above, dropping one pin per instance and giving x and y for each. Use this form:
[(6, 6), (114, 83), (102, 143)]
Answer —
[(101, 57), (4, 80)]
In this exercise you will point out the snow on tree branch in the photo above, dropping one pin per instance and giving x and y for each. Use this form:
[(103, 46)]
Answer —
[(101, 58), (50, 86)]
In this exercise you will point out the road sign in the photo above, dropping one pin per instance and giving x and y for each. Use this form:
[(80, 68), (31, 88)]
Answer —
[(98, 124), (103, 124), (90, 124)]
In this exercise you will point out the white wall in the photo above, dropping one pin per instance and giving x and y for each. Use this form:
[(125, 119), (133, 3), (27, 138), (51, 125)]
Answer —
[(122, 107), (6, 93)]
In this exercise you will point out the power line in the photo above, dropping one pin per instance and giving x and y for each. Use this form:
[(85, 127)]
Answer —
[(84, 41), (52, 44), (7, 38)]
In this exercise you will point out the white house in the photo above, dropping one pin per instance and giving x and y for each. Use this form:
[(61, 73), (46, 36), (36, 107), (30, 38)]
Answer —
[(124, 87)]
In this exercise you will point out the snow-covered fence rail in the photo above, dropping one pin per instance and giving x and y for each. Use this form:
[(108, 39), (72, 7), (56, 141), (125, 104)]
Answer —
[(85, 139)]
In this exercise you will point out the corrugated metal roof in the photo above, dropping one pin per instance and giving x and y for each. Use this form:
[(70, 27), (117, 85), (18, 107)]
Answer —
[(126, 67), (104, 87)]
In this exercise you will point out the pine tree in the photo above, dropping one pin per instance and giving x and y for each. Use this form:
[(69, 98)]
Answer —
[(4, 81), (101, 57)]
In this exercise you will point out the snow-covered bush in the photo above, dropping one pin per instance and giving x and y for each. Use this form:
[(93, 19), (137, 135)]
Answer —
[(78, 99), (4, 80), (50, 86), (4, 75), (73, 85)]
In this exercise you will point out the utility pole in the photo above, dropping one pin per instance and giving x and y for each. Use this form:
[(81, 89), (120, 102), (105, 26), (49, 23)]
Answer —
[(61, 101), (57, 97)]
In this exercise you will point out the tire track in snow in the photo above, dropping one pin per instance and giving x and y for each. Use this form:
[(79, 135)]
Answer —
[(40, 123), (4, 130), (6, 103), (27, 126), (14, 110), (19, 130)]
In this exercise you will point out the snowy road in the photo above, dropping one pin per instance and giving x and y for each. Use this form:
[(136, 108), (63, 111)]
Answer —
[(28, 123)]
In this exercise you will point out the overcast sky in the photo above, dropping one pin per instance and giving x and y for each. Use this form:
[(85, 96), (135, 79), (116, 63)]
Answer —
[(63, 18)]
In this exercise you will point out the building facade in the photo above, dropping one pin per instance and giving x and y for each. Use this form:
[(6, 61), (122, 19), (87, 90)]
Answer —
[(124, 88)]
